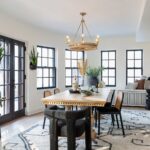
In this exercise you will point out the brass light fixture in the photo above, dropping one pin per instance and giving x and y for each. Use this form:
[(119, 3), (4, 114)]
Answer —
[(83, 43)]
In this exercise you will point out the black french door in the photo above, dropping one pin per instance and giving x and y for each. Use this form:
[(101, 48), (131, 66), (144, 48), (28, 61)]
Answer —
[(12, 79)]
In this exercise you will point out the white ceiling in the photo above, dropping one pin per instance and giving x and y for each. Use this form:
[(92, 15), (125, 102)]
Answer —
[(104, 17)]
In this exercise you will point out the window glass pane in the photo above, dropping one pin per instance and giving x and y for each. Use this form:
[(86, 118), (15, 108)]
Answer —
[(74, 72), (67, 54), (130, 80), (44, 52), (39, 51), (1, 77), (16, 63), (45, 73), (130, 63), (105, 55), (52, 73), (111, 55), (111, 72), (105, 63), (80, 55), (105, 72), (105, 80), (39, 61), (138, 55), (74, 55), (138, 72), (130, 72), (16, 77), (50, 53), (16, 50), (111, 81), (68, 81), (44, 62), (74, 63), (138, 63), (45, 82), (130, 54), (51, 82), (112, 64), (68, 63), (51, 63), (39, 72), (68, 72), (80, 81)]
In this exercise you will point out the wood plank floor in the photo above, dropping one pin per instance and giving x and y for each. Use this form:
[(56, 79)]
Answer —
[(14, 127)]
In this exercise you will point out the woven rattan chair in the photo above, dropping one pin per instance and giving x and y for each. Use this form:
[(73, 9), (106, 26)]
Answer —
[(56, 90), (45, 94), (70, 124)]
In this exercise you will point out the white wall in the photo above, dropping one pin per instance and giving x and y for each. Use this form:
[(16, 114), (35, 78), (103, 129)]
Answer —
[(121, 44), (35, 36)]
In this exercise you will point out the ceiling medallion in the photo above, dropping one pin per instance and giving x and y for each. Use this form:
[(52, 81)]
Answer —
[(84, 43)]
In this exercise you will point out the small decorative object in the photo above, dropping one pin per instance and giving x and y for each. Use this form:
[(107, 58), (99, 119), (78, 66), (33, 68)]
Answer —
[(33, 59), (1, 53), (101, 84), (86, 92), (93, 74), (75, 84)]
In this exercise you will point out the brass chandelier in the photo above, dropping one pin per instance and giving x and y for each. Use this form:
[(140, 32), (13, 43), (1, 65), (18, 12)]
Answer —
[(83, 43)]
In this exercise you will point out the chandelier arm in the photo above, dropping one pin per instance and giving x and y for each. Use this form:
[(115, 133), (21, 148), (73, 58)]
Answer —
[(77, 31), (88, 31)]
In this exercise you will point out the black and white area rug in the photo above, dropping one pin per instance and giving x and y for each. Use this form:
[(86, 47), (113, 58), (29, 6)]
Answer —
[(137, 130)]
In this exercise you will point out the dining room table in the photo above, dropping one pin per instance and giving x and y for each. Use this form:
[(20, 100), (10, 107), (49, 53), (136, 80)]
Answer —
[(77, 99)]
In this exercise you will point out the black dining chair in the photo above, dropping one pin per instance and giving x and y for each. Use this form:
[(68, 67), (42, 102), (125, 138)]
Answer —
[(70, 124), (113, 110), (109, 102)]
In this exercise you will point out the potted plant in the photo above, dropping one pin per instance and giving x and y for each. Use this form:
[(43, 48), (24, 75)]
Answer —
[(33, 59), (93, 74), (1, 53)]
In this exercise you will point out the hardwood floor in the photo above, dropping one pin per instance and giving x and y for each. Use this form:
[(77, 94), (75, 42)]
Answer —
[(19, 125)]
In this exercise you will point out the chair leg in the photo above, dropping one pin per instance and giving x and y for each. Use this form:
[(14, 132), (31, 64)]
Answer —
[(98, 123), (88, 134), (71, 136), (53, 134), (122, 124), (95, 117), (117, 121), (112, 118), (44, 122)]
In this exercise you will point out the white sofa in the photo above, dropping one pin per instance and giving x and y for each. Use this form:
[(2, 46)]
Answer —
[(134, 97)]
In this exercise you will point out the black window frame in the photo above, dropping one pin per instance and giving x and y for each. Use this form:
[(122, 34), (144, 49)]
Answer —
[(73, 68), (108, 68), (134, 50), (43, 67)]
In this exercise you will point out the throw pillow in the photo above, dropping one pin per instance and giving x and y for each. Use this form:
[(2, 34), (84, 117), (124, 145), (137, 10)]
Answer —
[(147, 84), (140, 84), (132, 86)]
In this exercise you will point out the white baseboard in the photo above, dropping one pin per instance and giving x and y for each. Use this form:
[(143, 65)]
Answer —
[(33, 112)]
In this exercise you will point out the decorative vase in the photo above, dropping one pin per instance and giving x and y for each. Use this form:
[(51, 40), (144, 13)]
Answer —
[(93, 81)]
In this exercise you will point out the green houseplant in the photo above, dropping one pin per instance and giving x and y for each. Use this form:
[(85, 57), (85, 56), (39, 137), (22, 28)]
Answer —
[(1, 53), (33, 59), (93, 73)]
